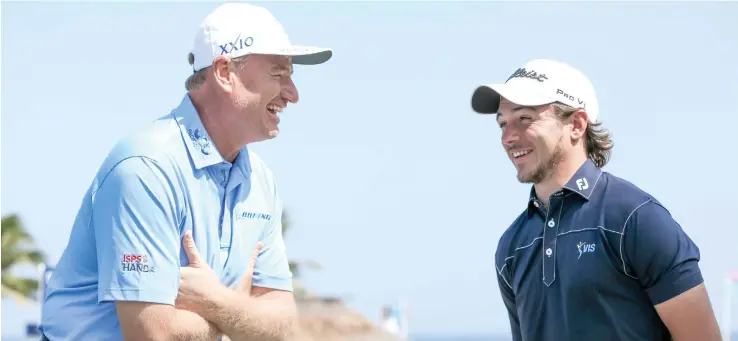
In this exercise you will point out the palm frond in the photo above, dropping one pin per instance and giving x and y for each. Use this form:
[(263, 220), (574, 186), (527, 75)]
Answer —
[(18, 288), (18, 249), (13, 232)]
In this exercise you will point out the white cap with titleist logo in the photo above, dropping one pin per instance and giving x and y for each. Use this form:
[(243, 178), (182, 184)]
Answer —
[(539, 82), (239, 29)]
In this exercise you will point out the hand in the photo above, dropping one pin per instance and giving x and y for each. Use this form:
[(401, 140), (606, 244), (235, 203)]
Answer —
[(245, 284), (196, 281)]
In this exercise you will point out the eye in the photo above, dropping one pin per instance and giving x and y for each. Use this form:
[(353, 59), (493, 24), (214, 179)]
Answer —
[(502, 124), (524, 118)]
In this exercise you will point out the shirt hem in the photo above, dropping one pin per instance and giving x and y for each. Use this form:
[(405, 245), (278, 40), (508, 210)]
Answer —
[(136, 295)]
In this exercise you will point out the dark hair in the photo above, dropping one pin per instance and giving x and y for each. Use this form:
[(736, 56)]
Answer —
[(598, 140)]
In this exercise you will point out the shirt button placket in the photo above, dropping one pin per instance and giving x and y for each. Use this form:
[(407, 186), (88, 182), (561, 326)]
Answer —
[(224, 173), (549, 243)]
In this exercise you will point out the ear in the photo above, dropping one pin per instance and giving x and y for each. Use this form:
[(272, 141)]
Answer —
[(579, 122), (222, 74)]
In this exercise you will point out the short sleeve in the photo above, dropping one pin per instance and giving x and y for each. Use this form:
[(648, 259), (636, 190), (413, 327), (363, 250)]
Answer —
[(272, 269), (134, 217), (659, 253)]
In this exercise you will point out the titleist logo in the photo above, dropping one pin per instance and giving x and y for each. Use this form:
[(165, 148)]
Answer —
[(523, 73)]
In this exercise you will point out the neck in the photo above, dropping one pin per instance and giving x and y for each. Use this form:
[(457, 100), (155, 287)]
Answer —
[(220, 124), (564, 171)]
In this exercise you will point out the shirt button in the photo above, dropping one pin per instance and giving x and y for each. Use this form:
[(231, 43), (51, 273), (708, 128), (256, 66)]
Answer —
[(549, 252), (536, 204), (551, 223), (206, 149)]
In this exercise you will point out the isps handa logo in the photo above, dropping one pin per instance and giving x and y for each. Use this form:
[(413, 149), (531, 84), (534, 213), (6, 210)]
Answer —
[(133, 262), (583, 247)]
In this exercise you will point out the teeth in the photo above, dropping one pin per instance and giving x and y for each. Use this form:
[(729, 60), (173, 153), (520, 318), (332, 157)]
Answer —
[(274, 108), (521, 153)]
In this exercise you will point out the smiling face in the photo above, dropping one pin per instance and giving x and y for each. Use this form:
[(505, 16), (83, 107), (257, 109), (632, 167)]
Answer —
[(534, 139), (262, 90)]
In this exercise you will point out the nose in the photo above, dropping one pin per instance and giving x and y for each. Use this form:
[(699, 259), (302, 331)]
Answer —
[(509, 136), (289, 91)]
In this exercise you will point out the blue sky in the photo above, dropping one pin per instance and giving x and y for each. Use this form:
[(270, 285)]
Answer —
[(394, 185)]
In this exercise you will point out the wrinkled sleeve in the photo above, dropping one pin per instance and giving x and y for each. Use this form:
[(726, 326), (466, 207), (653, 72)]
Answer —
[(272, 268), (659, 254), (134, 217)]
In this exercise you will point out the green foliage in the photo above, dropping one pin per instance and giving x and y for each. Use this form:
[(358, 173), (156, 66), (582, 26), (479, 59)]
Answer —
[(18, 248)]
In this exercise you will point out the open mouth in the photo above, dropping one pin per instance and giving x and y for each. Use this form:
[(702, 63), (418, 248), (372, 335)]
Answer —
[(519, 155), (274, 110)]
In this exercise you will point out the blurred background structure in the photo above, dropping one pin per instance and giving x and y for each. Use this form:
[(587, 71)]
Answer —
[(396, 190)]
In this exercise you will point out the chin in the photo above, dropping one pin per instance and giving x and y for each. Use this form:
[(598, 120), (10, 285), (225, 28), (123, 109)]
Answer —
[(271, 132), (525, 173), (525, 178)]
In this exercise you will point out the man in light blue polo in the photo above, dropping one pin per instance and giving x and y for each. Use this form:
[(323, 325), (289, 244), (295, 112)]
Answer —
[(162, 241)]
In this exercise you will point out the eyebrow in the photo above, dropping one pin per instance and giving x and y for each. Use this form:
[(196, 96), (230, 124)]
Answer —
[(280, 68), (516, 109)]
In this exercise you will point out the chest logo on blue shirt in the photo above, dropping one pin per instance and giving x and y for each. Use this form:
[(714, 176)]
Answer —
[(254, 216), (583, 247)]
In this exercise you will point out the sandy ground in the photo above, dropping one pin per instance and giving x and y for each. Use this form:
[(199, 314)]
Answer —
[(331, 320)]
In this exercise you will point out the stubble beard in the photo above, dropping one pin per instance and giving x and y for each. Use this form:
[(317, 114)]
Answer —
[(545, 169)]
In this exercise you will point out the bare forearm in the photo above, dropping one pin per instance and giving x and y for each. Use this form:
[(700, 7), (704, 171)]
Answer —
[(157, 322), (269, 317), (188, 326)]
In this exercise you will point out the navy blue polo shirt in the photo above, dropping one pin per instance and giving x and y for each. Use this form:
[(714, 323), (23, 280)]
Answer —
[(594, 264)]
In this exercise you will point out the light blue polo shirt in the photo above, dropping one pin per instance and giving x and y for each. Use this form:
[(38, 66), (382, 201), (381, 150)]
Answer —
[(126, 242)]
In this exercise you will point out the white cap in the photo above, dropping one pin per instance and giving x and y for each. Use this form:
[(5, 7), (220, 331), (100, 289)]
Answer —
[(238, 29), (540, 82)]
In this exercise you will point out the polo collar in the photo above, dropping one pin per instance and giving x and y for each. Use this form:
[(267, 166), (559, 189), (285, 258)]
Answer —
[(199, 145), (582, 183), (584, 180)]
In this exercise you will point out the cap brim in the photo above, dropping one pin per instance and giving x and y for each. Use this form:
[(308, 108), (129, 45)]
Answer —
[(306, 55), (486, 98)]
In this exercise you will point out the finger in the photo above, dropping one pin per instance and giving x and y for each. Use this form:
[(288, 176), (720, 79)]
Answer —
[(248, 277), (254, 256), (188, 243)]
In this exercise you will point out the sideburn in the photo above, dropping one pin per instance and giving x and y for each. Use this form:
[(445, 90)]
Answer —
[(546, 169)]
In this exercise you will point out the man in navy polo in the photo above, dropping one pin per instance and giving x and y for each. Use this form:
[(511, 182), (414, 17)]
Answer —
[(592, 256), (164, 236)]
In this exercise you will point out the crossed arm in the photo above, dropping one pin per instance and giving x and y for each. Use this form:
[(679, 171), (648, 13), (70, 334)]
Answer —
[(238, 316), (136, 213), (244, 313)]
